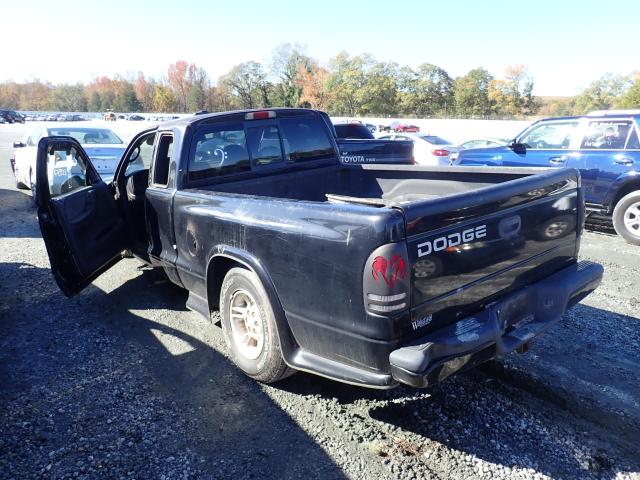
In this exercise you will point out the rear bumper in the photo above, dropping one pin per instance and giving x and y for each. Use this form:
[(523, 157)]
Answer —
[(502, 327)]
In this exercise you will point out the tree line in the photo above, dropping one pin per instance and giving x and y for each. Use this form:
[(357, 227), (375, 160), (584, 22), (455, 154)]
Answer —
[(350, 85)]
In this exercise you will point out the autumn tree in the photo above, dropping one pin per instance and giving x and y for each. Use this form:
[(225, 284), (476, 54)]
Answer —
[(188, 83), (286, 64), (513, 95), (145, 92), (164, 100), (311, 81)]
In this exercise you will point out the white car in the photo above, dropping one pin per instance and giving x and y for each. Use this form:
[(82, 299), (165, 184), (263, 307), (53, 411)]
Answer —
[(102, 145), (428, 149)]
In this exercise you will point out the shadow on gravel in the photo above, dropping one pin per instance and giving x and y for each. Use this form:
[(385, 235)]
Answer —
[(583, 375), (17, 205), (88, 353)]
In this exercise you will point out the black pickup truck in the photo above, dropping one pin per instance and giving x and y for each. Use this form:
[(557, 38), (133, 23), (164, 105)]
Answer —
[(367, 274)]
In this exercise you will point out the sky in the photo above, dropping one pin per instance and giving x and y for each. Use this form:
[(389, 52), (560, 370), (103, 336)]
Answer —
[(566, 44)]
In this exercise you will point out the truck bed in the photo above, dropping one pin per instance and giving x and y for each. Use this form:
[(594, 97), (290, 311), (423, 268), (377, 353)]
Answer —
[(376, 186)]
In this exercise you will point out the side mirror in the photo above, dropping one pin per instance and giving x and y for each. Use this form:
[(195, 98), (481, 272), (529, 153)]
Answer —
[(517, 146), (18, 144)]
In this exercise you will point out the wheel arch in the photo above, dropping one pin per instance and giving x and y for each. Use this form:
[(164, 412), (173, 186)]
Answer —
[(224, 259), (629, 184)]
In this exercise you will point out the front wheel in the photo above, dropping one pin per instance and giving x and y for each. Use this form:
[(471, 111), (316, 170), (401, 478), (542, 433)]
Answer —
[(249, 327), (34, 187), (626, 218), (19, 184)]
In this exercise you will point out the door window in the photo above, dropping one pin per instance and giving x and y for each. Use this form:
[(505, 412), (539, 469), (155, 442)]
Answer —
[(66, 170), (550, 136), (163, 160), (219, 150), (140, 157), (633, 143), (606, 135)]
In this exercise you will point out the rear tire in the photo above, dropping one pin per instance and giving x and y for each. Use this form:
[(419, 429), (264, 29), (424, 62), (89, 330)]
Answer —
[(249, 327), (626, 218)]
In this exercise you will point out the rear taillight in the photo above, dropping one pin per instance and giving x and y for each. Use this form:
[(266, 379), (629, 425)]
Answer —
[(386, 279), (440, 152), (263, 115)]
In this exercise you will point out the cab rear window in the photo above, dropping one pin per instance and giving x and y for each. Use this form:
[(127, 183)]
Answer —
[(230, 149), (305, 139)]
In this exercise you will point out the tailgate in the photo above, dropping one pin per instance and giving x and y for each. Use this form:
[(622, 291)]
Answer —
[(375, 151), (468, 249)]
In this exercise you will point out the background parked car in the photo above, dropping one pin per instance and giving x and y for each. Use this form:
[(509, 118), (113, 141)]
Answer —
[(352, 130), (427, 149), (604, 146), (109, 116), (397, 126), (483, 143), (11, 116), (102, 145)]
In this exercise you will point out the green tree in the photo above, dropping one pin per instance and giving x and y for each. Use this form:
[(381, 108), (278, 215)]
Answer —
[(346, 81), (125, 98), (379, 94), (601, 94), (247, 84), (196, 98), (69, 98), (426, 92), (94, 103), (631, 97), (471, 94)]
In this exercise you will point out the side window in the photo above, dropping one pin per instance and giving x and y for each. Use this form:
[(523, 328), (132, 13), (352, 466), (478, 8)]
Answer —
[(550, 136), (305, 138), (633, 143), (218, 150), (163, 159), (140, 157), (606, 134), (66, 171), (264, 145)]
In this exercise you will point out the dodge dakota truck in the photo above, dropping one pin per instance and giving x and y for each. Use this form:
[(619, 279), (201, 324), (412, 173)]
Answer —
[(374, 275)]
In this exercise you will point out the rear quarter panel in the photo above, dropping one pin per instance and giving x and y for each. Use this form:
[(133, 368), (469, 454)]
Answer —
[(314, 253)]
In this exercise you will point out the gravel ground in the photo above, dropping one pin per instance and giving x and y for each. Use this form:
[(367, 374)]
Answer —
[(123, 381)]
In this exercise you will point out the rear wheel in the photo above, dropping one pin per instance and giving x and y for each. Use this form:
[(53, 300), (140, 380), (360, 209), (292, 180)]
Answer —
[(626, 218), (249, 327)]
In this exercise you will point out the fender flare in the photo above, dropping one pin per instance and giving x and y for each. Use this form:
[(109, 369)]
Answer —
[(621, 183), (288, 346)]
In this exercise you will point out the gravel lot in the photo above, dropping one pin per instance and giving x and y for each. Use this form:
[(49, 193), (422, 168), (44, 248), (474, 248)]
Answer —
[(123, 381)]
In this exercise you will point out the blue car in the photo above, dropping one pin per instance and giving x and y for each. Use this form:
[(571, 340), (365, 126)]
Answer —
[(603, 145)]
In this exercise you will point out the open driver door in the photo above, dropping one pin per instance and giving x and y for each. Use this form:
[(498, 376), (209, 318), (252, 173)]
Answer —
[(81, 224)]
